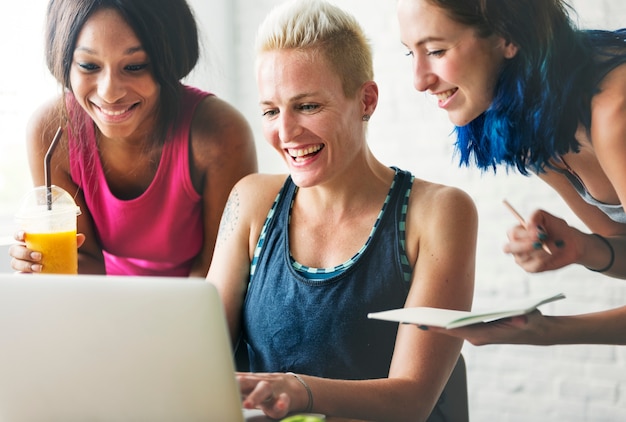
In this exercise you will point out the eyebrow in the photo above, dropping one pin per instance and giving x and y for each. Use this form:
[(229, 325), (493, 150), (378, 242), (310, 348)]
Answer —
[(425, 41), (292, 99), (128, 51)]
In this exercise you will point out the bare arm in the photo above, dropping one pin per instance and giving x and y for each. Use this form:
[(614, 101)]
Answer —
[(600, 164), (569, 245), (240, 227), (608, 132), (40, 132), (606, 327), (441, 244), (223, 153)]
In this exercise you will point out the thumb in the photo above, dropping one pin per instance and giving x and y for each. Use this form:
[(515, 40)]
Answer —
[(80, 239)]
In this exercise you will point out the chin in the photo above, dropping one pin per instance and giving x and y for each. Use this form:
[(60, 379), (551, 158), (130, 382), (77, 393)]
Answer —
[(302, 180), (114, 132), (459, 122), (462, 120)]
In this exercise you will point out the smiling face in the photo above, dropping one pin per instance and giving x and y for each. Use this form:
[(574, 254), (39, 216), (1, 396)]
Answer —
[(111, 79), (450, 61), (307, 117)]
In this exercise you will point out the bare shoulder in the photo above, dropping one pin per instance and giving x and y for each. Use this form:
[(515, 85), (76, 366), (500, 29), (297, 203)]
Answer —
[(251, 199), (40, 130), (609, 103), (615, 78), (43, 124), (222, 146), (440, 218), (608, 112), (260, 188), (434, 202), (218, 128)]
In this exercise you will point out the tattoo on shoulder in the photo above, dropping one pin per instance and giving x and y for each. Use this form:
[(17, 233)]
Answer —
[(230, 217)]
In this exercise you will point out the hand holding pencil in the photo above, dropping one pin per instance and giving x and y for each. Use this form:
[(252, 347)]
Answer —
[(523, 223)]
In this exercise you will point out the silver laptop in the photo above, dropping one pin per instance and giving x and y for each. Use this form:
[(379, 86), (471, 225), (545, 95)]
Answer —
[(95, 348)]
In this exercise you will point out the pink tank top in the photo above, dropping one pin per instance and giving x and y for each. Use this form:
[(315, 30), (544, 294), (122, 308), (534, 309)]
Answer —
[(161, 231)]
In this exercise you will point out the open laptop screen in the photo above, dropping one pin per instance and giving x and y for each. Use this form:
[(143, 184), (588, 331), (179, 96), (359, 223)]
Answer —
[(78, 348)]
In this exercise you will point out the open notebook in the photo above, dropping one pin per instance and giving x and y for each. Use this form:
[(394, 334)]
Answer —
[(86, 348), (450, 318)]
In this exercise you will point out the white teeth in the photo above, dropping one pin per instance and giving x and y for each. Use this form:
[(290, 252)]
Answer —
[(295, 153), (113, 113), (442, 96)]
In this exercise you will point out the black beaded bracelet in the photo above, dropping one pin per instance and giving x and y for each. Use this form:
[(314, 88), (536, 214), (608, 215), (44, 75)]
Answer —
[(611, 261)]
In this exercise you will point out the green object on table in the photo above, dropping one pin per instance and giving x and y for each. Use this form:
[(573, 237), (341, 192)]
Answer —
[(303, 418)]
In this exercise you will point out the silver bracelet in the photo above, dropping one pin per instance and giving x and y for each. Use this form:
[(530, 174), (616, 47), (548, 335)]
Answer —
[(309, 406)]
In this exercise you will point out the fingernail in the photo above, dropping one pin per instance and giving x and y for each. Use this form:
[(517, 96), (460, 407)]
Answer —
[(559, 243), (423, 327), (537, 245), (542, 235), (35, 256), (36, 268)]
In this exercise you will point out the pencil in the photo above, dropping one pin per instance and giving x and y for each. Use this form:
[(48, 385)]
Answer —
[(523, 223)]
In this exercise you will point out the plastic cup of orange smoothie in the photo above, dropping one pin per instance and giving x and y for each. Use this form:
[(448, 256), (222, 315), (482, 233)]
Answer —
[(48, 220)]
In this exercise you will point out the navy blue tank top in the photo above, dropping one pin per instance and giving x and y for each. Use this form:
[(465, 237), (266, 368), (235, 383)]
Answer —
[(319, 326)]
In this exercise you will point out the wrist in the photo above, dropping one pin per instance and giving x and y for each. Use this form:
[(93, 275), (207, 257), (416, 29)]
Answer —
[(309, 393), (603, 252)]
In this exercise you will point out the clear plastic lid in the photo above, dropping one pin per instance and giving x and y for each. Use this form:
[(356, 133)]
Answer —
[(35, 202)]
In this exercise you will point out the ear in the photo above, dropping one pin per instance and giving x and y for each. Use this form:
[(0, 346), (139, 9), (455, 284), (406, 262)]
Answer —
[(510, 49), (369, 97)]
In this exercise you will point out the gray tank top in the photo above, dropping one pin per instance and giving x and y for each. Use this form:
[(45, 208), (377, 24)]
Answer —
[(614, 212)]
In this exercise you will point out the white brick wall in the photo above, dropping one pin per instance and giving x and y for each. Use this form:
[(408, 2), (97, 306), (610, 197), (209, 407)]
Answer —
[(506, 383)]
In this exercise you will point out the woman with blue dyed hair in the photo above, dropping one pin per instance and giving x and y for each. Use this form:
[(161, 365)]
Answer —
[(529, 91)]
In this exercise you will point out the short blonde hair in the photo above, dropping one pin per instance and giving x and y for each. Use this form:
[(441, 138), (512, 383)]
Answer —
[(318, 26)]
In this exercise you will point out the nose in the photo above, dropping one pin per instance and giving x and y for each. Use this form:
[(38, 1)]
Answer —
[(423, 77), (288, 126), (110, 86)]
